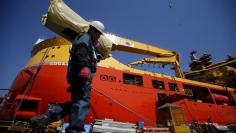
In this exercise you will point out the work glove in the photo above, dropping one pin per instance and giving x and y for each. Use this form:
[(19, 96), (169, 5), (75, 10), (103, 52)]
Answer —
[(84, 74)]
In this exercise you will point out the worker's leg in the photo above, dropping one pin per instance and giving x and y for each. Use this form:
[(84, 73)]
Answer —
[(80, 97), (54, 113)]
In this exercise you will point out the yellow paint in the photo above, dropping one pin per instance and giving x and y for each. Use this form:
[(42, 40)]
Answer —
[(51, 54), (181, 129), (51, 50)]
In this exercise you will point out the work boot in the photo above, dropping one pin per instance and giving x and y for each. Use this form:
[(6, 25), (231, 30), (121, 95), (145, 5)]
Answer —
[(38, 123)]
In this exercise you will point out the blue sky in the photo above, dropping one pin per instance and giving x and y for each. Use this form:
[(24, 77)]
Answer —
[(180, 25)]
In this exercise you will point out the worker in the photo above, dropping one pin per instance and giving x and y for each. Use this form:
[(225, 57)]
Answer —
[(81, 68)]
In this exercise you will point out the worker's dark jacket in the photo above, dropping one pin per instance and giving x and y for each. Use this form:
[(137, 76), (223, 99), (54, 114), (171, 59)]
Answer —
[(82, 54)]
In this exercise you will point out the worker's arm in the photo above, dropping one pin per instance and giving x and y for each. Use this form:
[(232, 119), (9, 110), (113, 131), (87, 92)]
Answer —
[(81, 51), (82, 56)]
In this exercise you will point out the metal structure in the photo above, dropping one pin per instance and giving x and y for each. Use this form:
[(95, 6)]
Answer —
[(222, 73)]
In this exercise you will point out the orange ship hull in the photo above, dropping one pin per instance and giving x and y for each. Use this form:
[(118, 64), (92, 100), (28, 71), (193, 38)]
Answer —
[(110, 98)]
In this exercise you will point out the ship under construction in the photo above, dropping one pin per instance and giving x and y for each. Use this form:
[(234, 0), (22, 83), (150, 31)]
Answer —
[(202, 99)]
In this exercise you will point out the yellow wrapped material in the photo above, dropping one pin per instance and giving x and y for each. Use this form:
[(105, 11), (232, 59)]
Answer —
[(64, 21)]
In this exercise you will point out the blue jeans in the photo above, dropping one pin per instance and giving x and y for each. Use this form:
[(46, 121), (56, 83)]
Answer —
[(80, 99)]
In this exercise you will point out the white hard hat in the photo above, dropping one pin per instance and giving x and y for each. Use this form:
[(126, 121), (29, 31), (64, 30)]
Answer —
[(98, 25)]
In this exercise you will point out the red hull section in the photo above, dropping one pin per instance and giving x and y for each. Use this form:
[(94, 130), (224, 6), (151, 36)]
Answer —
[(111, 97)]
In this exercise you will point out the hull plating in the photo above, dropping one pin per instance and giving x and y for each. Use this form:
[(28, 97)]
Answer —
[(110, 97)]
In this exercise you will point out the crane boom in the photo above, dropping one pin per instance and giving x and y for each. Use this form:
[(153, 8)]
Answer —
[(128, 45), (160, 55), (162, 60)]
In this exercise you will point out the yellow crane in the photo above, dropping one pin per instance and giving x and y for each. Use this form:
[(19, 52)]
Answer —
[(161, 56)]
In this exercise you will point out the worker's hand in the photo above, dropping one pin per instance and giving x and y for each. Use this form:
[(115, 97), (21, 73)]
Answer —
[(84, 73)]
